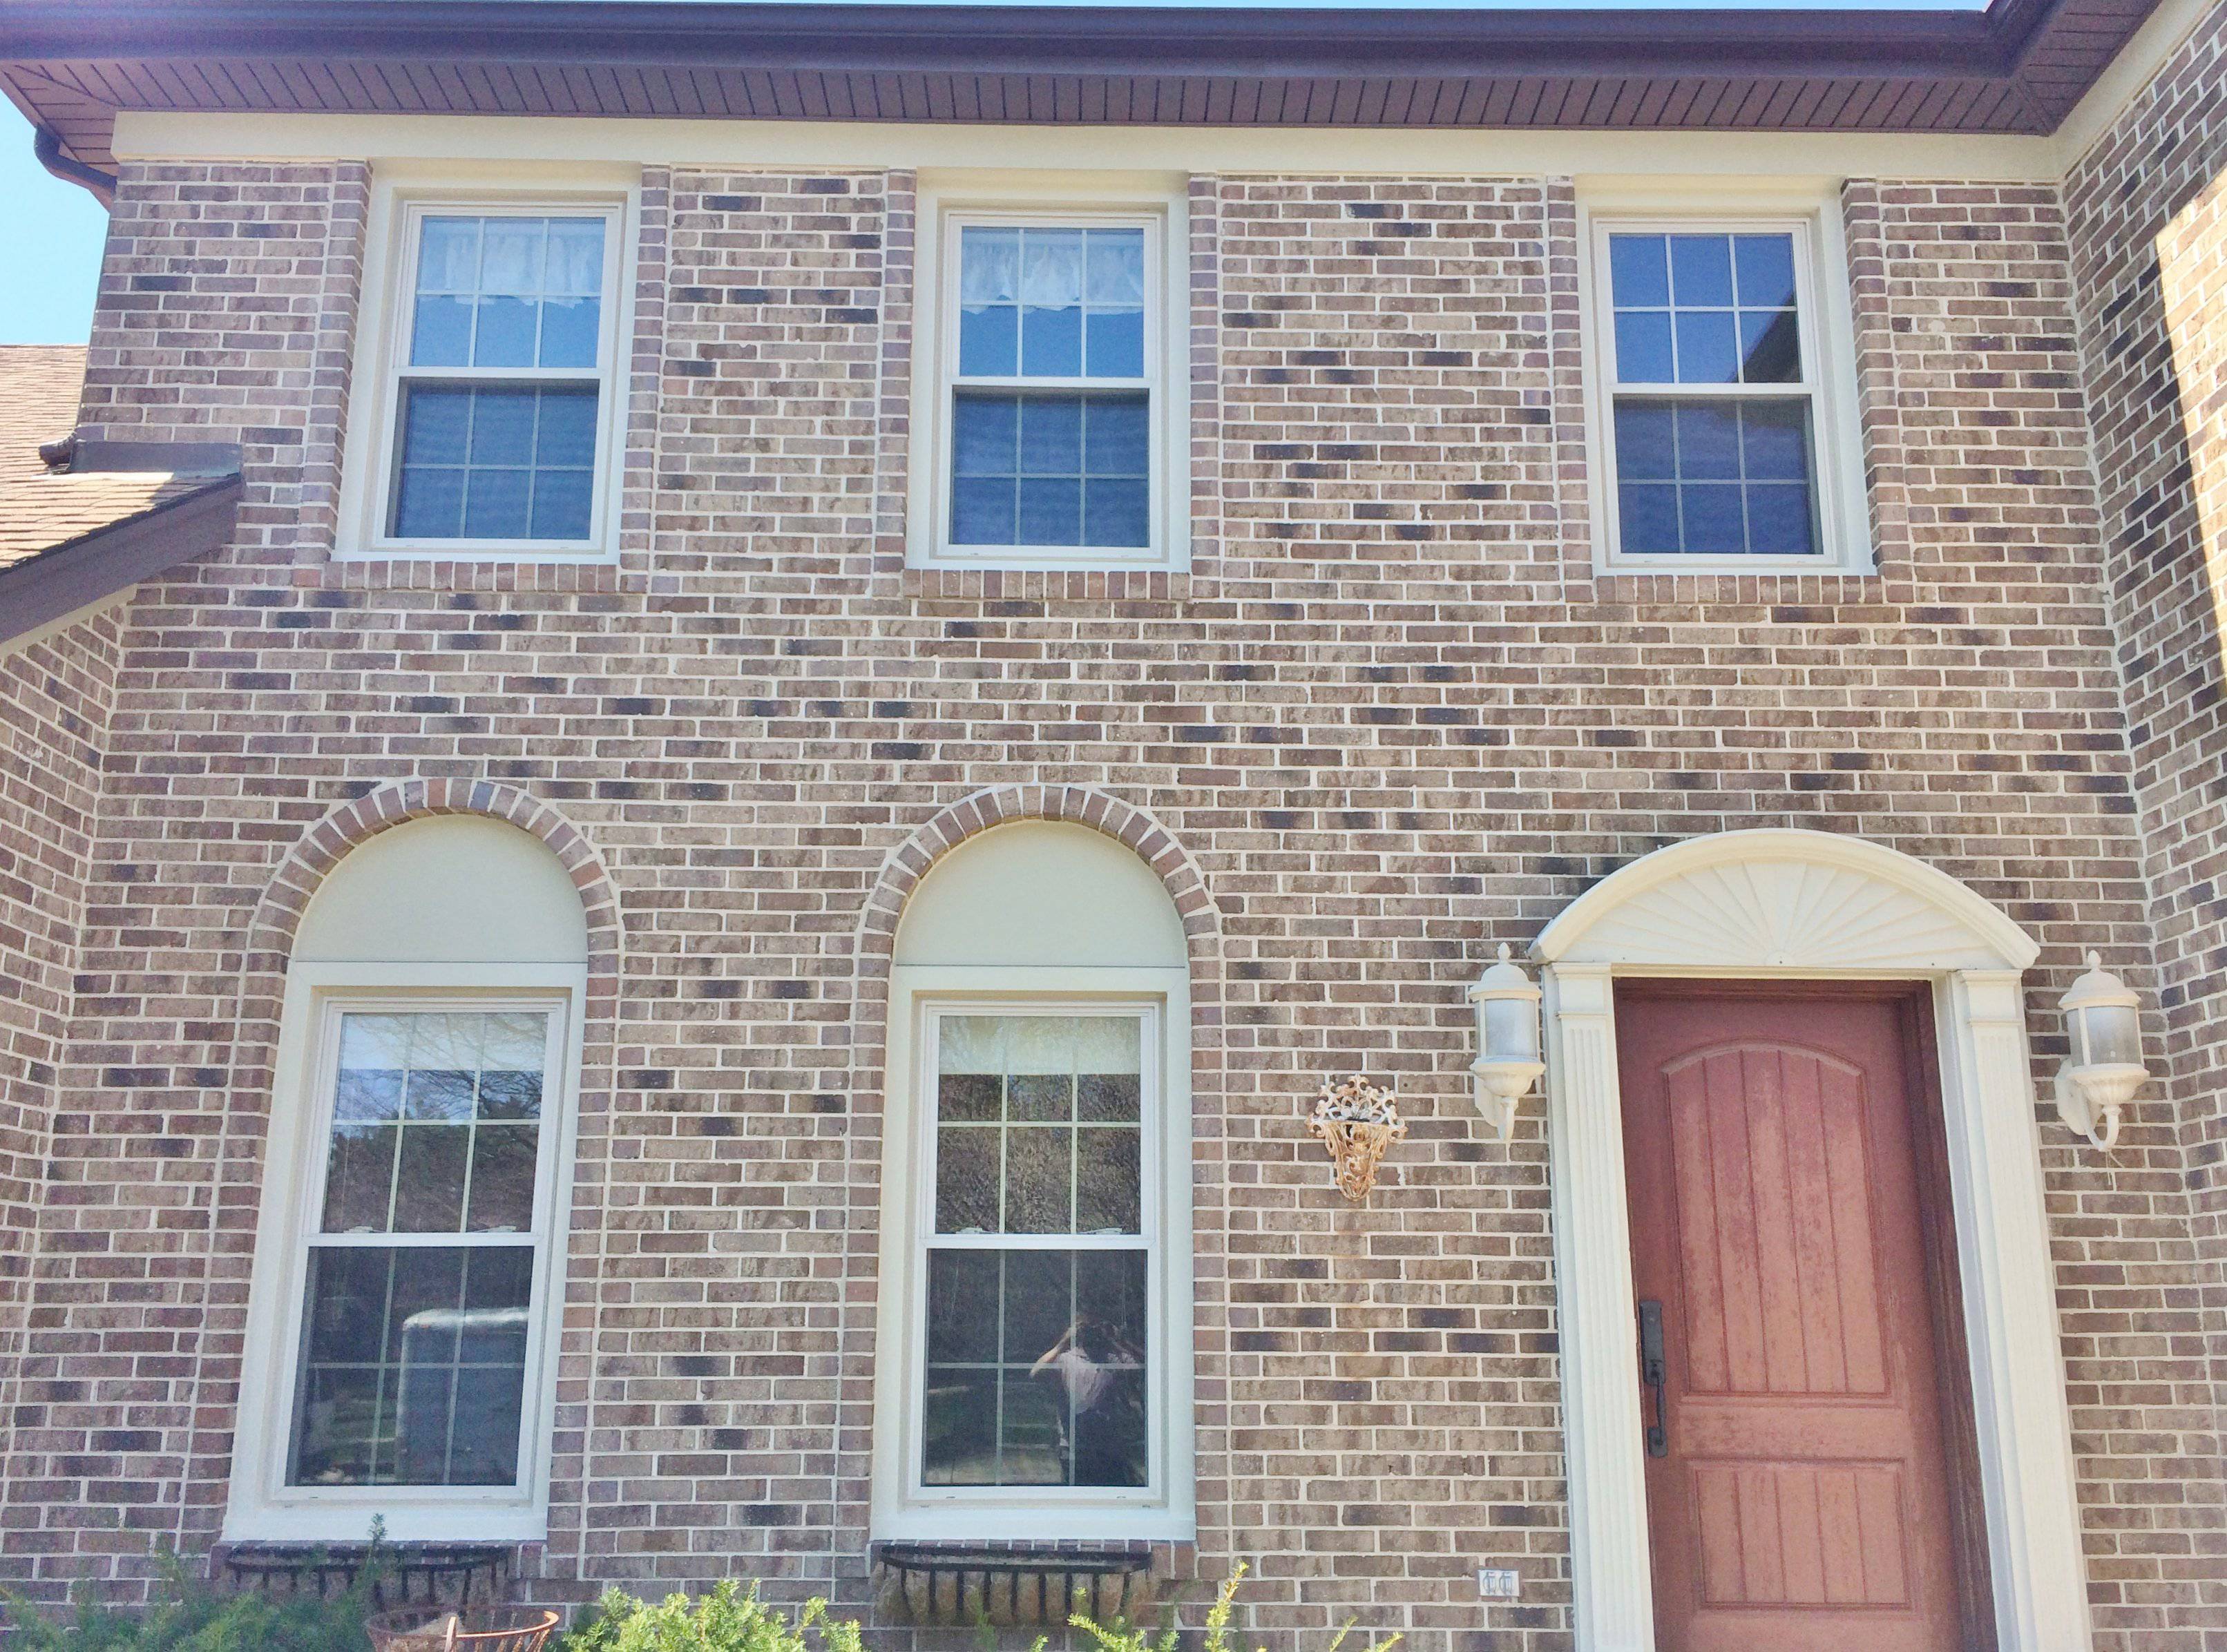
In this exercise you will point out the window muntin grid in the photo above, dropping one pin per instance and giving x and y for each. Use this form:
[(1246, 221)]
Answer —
[(503, 367), (1038, 1228), (418, 1287), (1051, 392), (1712, 424)]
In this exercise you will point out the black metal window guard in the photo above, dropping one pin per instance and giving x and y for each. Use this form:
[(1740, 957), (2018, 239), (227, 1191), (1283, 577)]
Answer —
[(934, 1583), (460, 1574)]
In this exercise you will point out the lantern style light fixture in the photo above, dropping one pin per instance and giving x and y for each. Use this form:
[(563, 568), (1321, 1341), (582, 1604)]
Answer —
[(1507, 1062), (2104, 1023)]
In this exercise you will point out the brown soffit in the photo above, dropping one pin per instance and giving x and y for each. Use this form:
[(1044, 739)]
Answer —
[(2017, 67), (89, 568)]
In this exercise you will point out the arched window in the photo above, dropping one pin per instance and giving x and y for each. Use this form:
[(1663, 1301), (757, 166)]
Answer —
[(1034, 1380), (409, 1262)]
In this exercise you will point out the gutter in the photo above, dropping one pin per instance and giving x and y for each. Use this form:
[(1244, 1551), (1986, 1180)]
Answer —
[(47, 146)]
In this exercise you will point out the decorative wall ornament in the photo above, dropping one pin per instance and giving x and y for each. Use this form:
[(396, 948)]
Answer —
[(1356, 1122)]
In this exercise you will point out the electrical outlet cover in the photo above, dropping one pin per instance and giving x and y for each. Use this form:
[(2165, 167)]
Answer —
[(1499, 1583)]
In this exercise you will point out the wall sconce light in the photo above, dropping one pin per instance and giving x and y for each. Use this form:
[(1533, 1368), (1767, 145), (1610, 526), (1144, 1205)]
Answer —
[(1355, 1123), (2104, 1023), (1507, 1062)]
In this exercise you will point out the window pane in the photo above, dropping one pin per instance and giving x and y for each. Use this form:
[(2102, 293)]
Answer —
[(1714, 477), (1029, 468), (429, 1109), (1708, 441), (1639, 271), (1771, 347), (1116, 268), (442, 336), (1051, 342), (504, 332), (1039, 1181), (1054, 1392), (1646, 440), (1700, 270), (989, 341), (1117, 344), (1766, 265), (1714, 518), (969, 1166), (413, 1366), (1107, 1184), (1708, 354), (497, 461), (1780, 520), (1647, 517), (1642, 347)]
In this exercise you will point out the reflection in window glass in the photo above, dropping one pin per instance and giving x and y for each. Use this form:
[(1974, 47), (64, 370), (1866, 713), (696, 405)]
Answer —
[(413, 1354), (1710, 475), (1037, 1355)]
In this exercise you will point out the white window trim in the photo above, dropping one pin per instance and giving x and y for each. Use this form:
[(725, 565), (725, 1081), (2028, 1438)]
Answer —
[(902, 1507), (1153, 202), (261, 1506), (1828, 341), (371, 447)]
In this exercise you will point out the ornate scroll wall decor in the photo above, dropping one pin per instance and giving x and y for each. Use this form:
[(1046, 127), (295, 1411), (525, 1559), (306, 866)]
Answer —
[(1356, 1122)]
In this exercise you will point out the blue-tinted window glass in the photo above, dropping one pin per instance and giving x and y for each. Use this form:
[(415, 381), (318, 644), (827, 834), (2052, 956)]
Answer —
[(1642, 347), (1050, 301), (1640, 271), (509, 291), (1700, 270), (1714, 477), (1765, 266), (496, 462), (1031, 469), (1701, 308)]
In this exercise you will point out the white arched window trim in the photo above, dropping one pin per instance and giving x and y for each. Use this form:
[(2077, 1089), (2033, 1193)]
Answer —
[(1794, 904), (420, 900)]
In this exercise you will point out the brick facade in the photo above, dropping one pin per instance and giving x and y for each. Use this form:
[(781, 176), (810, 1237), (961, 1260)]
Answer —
[(2150, 260), (1391, 717)]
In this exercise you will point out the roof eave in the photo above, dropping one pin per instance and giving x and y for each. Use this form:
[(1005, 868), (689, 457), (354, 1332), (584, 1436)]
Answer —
[(79, 573)]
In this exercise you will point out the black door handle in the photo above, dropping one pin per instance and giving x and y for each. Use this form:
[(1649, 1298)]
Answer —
[(1654, 1373)]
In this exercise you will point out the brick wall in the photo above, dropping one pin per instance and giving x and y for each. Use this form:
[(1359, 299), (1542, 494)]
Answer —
[(1393, 718), (54, 697), (2148, 213)]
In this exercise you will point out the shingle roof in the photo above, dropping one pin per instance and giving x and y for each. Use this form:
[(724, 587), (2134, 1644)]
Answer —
[(39, 511), (127, 511)]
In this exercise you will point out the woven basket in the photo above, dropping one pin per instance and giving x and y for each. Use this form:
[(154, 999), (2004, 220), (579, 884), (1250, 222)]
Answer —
[(438, 1629)]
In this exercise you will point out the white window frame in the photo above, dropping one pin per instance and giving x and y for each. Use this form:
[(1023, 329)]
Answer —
[(1826, 332), (373, 447), (1155, 205), (262, 1507), (903, 1505)]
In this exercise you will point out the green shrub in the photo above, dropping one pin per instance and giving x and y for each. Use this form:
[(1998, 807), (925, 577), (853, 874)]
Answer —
[(190, 1615), (726, 1620), (1120, 1635)]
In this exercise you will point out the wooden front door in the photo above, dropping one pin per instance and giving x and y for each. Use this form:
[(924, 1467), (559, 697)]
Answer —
[(1798, 1496)]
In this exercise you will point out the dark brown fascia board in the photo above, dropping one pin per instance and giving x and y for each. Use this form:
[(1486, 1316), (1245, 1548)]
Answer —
[(1093, 40), (80, 572)]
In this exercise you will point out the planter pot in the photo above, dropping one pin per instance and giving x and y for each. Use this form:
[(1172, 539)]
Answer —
[(434, 1629)]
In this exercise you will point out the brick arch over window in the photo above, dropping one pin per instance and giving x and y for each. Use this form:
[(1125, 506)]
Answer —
[(1125, 823), (230, 1244), (286, 897), (874, 947)]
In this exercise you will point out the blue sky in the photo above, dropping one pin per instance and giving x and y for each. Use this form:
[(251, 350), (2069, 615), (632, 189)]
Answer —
[(50, 258)]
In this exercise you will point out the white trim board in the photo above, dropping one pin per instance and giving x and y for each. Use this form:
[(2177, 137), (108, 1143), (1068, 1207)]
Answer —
[(873, 145), (1805, 905)]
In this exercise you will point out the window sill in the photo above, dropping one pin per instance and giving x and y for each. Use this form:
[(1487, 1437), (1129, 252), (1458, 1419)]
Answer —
[(1811, 567), (278, 1524)]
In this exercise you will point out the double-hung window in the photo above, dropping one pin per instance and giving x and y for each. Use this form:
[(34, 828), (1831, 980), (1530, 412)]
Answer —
[(1051, 420), (1721, 438), (1037, 1366), (498, 414), (428, 1217)]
